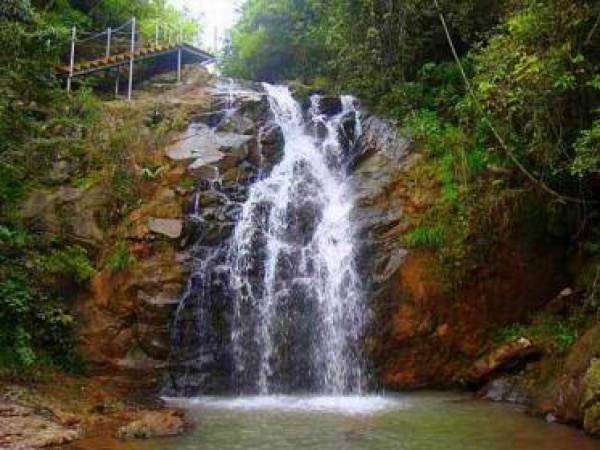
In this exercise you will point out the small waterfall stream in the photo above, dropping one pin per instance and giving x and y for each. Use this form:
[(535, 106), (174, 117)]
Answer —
[(288, 272)]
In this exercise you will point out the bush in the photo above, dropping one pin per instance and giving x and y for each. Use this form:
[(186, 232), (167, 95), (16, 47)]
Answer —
[(19, 10), (122, 260), (587, 152), (37, 282)]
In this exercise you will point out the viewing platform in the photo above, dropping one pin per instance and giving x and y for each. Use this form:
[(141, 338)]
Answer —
[(193, 55)]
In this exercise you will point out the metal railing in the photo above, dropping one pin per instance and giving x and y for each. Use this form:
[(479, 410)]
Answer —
[(124, 39)]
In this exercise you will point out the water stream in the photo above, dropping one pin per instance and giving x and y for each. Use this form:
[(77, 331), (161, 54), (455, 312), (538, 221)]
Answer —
[(299, 312)]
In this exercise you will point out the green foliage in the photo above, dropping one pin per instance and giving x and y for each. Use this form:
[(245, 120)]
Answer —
[(533, 80), (275, 40), (60, 264), (554, 332), (187, 183), (424, 237), (35, 328), (587, 152), (16, 10), (305, 39), (122, 260), (152, 173)]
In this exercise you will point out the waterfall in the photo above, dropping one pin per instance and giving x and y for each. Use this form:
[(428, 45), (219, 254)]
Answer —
[(274, 301), (298, 310)]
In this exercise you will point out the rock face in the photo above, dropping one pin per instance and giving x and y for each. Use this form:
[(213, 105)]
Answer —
[(242, 145), (424, 333), (509, 356), (45, 211), (569, 390), (126, 324), (22, 429), (377, 165)]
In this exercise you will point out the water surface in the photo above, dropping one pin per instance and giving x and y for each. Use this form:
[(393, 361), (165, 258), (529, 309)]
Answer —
[(423, 421)]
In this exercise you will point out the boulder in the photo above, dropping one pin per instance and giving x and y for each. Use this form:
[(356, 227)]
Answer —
[(154, 424), (85, 213), (330, 105), (40, 207), (171, 228), (81, 208), (237, 123), (503, 390), (591, 398), (570, 391), (505, 357)]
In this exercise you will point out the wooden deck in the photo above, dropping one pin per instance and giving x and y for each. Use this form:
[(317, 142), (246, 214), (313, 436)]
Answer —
[(119, 59)]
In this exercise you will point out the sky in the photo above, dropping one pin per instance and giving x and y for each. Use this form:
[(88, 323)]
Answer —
[(218, 14)]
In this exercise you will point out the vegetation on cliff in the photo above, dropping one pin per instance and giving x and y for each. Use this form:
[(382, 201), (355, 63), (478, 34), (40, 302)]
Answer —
[(49, 139)]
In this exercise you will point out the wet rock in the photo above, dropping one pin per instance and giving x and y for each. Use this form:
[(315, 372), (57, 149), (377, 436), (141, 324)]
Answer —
[(591, 398), (163, 298), (235, 175), (562, 302), (138, 361), (347, 133), (209, 157), (330, 105), (154, 424), (571, 390), (506, 357), (171, 228), (237, 123), (208, 198), (211, 119), (503, 390), (271, 148)]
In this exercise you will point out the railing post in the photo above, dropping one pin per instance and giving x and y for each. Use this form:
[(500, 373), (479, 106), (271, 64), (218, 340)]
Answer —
[(131, 59), (108, 37), (179, 64), (72, 59), (117, 81)]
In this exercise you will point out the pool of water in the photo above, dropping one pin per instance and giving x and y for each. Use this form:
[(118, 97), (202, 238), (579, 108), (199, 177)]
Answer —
[(423, 421)]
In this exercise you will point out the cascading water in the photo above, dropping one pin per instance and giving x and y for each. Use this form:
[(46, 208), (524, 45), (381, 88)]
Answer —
[(285, 280), (298, 312)]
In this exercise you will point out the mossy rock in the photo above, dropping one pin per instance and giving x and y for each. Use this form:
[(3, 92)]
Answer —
[(591, 421)]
